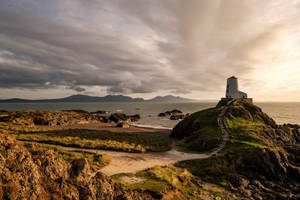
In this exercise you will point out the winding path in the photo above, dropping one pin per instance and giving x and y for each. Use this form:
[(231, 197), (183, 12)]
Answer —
[(122, 162)]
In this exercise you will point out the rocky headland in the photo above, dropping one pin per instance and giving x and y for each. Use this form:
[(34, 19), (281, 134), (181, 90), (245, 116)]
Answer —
[(261, 159), (243, 154)]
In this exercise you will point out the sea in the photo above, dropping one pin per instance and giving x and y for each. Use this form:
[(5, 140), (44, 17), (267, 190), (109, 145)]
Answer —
[(283, 112)]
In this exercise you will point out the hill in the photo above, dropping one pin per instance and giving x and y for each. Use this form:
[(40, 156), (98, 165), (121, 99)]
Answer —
[(170, 98), (260, 161), (108, 98)]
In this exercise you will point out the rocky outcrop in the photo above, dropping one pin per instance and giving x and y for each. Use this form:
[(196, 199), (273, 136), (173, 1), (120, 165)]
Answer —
[(178, 117), (174, 114), (169, 113), (62, 118), (123, 125), (121, 117), (29, 172), (260, 161)]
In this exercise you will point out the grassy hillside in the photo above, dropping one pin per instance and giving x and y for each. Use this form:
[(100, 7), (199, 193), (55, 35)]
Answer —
[(199, 132), (254, 158), (93, 139)]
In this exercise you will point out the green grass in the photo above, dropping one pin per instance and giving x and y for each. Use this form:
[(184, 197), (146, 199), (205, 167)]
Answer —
[(96, 161), (245, 143), (200, 131), (128, 142), (216, 168), (245, 131), (160, 179)]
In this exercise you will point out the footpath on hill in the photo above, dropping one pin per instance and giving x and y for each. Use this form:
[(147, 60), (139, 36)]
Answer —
[(122, 162)]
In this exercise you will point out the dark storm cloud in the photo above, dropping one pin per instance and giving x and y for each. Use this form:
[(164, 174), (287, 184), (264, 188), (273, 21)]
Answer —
[(132, 46)]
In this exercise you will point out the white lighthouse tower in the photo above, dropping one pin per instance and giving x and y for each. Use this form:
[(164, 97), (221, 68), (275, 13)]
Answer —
[(232, 89)]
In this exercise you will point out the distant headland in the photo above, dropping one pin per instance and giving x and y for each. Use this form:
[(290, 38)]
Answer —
[(108, 98)]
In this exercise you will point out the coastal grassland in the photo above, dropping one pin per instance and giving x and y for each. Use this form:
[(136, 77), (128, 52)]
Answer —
[(96, 161), (161, 179), (199, 132), (95, 139), (245, 131), (245, 146)]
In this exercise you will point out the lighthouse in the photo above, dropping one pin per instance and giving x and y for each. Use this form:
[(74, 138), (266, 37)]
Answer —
[(232, 89)]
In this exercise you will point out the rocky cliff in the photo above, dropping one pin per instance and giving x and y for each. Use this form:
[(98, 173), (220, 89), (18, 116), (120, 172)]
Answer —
[(261, 160), (29, 172)]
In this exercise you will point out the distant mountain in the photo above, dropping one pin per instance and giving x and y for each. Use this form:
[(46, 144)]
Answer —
[(108, 98), (170, 98)]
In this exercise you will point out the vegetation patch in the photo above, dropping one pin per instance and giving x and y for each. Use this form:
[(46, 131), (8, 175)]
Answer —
[(96, 161), (161, 179), (199, 132), (93, 139)]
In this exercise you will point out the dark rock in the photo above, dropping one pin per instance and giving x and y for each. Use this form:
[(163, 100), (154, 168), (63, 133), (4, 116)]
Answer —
[(135, 118), (178, 117), (77, 111), (162, 114), (100, 112), (103, 119), (123, 125), (77, 166), (4, 118), (240, 112), (238, 181), (170, 113), (119, 117), (175, 111)]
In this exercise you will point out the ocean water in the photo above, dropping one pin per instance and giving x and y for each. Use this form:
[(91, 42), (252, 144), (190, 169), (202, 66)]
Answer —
[(280, 112)]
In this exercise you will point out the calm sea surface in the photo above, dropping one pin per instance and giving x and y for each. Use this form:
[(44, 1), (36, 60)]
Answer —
[(281, 112)]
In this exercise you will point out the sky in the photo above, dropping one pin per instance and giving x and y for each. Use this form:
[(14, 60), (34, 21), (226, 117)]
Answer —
[(145, 48)]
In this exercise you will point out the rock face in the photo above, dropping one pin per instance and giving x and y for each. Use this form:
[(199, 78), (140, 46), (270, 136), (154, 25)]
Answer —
[(28, 172)]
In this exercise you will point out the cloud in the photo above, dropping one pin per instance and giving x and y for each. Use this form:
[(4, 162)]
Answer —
[(133, 46)]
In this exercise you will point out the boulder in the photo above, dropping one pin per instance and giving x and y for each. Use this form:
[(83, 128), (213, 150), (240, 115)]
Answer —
[(123, 125), (119, 117), (135, 118), (170, 113), (175, 112), (177, 117), (77, 166), (162, 114)]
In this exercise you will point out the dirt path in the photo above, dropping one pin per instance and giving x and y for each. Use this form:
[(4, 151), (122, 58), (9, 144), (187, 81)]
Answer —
[(122, 162)]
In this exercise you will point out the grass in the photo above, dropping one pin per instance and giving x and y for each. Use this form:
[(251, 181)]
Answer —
[(245, 143), (96, 161), (200, 132), (92, 139), (216, 168), (245, 131), (161, 179)]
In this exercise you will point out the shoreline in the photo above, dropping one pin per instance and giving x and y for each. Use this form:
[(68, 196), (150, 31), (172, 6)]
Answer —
[(150, 126)]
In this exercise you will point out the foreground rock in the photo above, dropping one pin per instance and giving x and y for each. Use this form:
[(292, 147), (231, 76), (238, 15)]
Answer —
[(33, 173)]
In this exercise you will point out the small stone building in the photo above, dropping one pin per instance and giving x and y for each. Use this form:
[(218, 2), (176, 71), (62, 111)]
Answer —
[(232, 89)]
